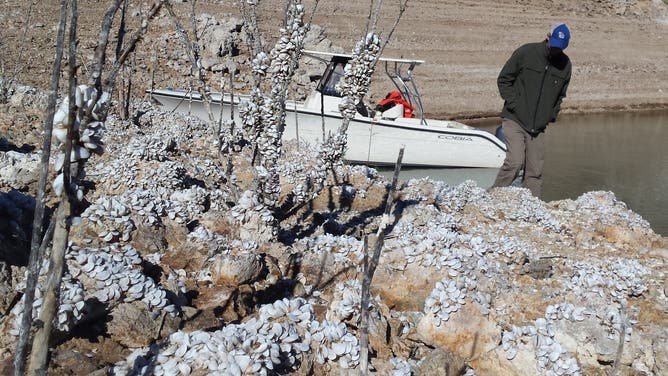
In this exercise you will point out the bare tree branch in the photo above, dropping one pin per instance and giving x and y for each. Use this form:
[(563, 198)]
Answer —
[(402, 9), (121, 29), (34, 263), (110, 81), (370, 266), (622, 338), (253, 34), (376, 15), (193, 53), (368, 17), (95, 79), (315, 8), (7, 83)]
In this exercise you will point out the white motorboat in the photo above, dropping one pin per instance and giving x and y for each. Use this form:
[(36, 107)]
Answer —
[(374, 139)]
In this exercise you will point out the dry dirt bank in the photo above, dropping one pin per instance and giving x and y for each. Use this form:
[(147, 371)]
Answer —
[(618, 47)]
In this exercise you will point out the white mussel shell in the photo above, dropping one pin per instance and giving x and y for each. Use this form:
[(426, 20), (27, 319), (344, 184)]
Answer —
[(340, 348), (61, 116), (136, 289), (90, 145), (79, 305), (184, 369), (181, 350), (88, 266), (79, 96), (78, 153), (511, 353), (60, 160), (58, 184), (103, 275)]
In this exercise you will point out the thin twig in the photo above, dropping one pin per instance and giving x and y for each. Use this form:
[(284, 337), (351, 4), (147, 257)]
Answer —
[(370, 266), (18, 66), (620, 345), (364, 313), (253, 35), (310, 18), (368, 18), (95, 79), (193, 54), (402, 9), (34, 263), (110, 82), (121, 29), (376, 15)]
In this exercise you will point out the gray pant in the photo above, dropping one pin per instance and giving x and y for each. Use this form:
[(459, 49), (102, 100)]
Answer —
[(523, 150)]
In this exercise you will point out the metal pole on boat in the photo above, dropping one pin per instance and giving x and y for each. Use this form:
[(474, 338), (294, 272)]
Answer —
[(222, 95), (190, 100), (368, 152), (231, 95), (294, 99), (322, 115)]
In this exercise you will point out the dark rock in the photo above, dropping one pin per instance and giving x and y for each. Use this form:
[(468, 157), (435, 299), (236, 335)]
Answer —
[(441, 363), (132, 325)]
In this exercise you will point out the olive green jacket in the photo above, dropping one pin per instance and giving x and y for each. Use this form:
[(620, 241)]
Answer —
[(533, 87)]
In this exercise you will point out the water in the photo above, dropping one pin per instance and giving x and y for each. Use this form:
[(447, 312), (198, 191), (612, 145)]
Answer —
[(623, 153)]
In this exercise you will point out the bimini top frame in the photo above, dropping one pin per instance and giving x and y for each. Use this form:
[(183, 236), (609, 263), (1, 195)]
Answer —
[(399, 71)]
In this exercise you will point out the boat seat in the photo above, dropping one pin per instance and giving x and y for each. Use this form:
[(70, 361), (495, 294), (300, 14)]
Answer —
[(393, 113)]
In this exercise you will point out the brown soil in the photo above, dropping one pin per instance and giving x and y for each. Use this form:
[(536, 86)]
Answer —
[(618, 48)]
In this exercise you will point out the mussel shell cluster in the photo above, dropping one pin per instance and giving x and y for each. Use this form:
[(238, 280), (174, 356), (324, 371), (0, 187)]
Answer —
[(346, 302), (617, 280), (152, 148), (71, 305), (86, 138), (400, 367), (604, 208), (357, 74), (249, 206), (267, 344), (110, 218), (550, 355), (14, 166), (447, 297), (331, 152), (215, 243), (113, 274), (344, 249)]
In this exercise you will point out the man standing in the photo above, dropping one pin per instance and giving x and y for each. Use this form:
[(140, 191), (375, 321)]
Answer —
[(532, 83)]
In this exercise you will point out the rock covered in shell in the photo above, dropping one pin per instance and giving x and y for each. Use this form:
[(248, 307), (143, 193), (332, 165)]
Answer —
[(267, 344)]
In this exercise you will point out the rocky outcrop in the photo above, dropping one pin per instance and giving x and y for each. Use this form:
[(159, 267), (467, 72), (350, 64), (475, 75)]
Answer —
[(171, 270)]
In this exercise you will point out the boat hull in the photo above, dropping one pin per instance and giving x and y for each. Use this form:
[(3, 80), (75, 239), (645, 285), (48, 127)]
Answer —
[(370, 141)]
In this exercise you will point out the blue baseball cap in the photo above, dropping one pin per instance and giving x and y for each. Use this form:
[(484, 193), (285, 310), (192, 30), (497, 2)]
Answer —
[(560, 36)]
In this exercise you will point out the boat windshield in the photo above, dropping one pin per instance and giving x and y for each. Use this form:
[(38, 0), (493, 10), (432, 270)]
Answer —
[(332, 76)]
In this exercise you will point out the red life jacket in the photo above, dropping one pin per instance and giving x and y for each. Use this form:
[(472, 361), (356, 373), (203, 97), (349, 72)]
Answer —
[(394, 98)]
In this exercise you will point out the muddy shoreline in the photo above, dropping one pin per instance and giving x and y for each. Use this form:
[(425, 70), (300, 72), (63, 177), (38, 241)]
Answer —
[(617, 49)]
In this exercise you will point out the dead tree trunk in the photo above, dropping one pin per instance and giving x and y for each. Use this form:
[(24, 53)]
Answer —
[(40, 345), (34, 262)]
